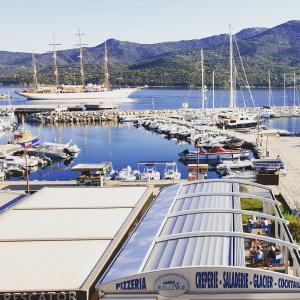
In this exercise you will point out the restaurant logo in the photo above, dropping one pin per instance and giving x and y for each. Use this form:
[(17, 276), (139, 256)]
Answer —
[(171, 285)]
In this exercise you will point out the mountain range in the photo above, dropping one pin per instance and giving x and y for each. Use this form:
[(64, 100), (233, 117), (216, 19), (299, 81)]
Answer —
[(171, 63)]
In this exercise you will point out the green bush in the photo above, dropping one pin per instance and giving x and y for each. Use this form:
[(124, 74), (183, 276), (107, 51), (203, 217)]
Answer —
[(294, 227), (251, 204)]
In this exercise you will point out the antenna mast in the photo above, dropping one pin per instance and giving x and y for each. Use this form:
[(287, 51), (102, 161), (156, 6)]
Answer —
[(81, 57), (34, 72), (202, 79), (105, 67), (231, 104), (55, 60)]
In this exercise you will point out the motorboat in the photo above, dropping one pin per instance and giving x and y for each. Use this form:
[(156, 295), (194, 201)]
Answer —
[(127, 174), (171, 172), (237, 121), (244, 175), (213, 153), (150, 173), (234, 164), (54, 153), (69, 146), (5, 96), (13, 160)]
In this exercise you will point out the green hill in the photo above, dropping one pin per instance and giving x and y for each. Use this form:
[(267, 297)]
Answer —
[(171, 63)]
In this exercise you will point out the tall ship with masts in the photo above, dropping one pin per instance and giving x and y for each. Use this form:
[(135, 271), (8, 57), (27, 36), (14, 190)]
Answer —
[(102, 91)]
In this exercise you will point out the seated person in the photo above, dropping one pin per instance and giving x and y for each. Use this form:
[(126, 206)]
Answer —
[(274, 255), (250, 224), (257, 255), (266, 225), (271, 252), (255, 247)]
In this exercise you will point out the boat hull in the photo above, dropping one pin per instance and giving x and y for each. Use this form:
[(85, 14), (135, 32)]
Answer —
[(214, 156), (105, 95)]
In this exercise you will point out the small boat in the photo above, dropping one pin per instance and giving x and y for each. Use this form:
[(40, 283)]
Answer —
[(15, 171), (51, 152), (127, 174), (290, 134), (246, 175), (237, 121), (171, 172), (72, 148), (150, 173), (213, 153), (2, 173), (234, 164), (13, 160), (25, 138), (4, 96)]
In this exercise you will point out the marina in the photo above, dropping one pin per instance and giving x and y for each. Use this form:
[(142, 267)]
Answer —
[(146, 167)]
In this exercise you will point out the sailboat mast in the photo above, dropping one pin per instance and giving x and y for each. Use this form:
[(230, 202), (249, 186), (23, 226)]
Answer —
[(81, 58), (294, 88), (270, 89), (55, 61), (234, 87), (105, 67), (34, 72), (213, 89), (231, 105), (202, 79), (284, 91)]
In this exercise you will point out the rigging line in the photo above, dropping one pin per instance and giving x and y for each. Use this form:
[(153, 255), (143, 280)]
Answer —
[(246, 78), (241, 89), (193, 78), (68, 57), (95, 61)]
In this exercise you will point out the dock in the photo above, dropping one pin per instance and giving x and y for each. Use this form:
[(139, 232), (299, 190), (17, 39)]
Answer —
[(288, 149)]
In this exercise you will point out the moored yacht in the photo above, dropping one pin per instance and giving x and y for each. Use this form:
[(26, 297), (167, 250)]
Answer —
[(237, 121)]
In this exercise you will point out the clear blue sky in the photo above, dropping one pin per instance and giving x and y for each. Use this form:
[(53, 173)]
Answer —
[(27, 25)]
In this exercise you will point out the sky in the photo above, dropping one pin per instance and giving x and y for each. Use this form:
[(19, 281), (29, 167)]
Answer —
[(28, 25)]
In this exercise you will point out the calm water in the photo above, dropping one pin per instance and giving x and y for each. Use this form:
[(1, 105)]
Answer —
[(125, 145), (173, 98)]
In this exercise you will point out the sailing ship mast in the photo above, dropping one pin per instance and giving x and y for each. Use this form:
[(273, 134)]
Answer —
[(34, 72), (202, 79), (55, 61), (81, 58), (105, 67), (231, 104)]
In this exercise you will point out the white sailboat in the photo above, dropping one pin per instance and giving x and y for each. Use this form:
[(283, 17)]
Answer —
[(75, 92)]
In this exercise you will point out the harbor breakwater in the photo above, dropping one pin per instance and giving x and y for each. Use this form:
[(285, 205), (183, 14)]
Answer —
[(85, 117)]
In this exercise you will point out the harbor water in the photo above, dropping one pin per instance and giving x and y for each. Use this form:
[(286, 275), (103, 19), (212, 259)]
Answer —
[(126, 145)]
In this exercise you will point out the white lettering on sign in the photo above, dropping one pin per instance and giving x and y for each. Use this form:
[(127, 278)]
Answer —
[(40, 296), (171, 285)]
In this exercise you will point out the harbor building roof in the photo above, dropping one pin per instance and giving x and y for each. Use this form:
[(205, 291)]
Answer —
[(91, 167), (59, 239), (193, 241)]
